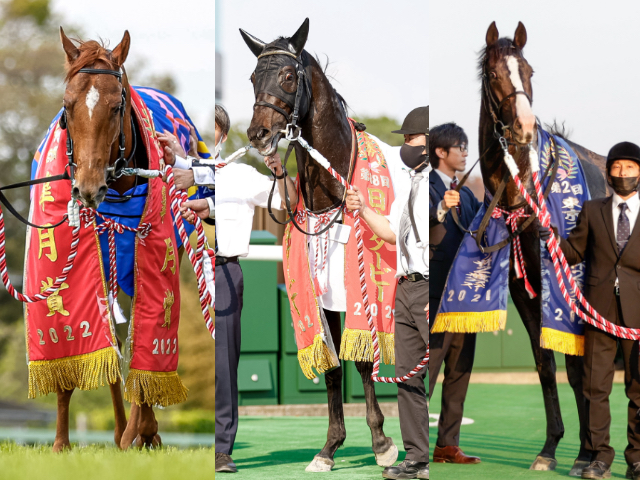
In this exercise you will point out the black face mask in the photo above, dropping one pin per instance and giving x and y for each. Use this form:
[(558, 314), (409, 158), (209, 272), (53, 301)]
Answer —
[(413, 157), (623, 186)]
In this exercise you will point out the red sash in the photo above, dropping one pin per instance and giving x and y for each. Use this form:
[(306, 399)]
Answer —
[(70, 339), (315, 346)]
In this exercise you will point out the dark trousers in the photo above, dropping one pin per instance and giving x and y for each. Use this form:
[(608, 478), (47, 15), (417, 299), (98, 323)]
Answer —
[(457, 351), (411, 338), (229, 288), (600, 351)]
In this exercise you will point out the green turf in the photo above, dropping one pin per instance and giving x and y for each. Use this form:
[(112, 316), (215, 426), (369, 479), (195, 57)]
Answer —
[(509, 431), (281, 447), (105, 463)]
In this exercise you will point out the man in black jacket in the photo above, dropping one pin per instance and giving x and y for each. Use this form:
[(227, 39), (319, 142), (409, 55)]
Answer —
[(447, 153), (608, 238)]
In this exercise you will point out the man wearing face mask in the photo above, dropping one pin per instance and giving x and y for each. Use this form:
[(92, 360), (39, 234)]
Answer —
[(406, 227), (448, 152), (239, 189), (608, 238)]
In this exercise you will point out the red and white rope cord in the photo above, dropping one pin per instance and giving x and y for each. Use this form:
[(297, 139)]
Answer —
[(561, 265), (512, 221), (365, 301), (75, 240)]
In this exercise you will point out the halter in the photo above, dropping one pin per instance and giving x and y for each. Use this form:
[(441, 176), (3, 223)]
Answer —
[(114, 171), (268, 85)]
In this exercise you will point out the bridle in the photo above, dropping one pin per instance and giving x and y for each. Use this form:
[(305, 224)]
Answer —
[(299, 109), (114, 171)]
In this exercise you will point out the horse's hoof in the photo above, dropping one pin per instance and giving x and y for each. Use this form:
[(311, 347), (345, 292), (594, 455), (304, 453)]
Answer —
[(578, 466), (388, 458), (320, 464), (544, 463), (60, 447), (157, 441)]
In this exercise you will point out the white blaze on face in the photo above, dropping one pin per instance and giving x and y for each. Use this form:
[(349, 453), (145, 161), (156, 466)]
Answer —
[(92, 100), (523, 107)]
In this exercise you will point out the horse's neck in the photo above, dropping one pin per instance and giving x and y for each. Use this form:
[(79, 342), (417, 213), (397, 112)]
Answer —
[(327, 129)]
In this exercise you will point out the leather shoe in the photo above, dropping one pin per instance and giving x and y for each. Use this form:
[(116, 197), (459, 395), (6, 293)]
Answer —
[(597, 470), (407, 469), (633, 471), (224, 463), (453, 454)]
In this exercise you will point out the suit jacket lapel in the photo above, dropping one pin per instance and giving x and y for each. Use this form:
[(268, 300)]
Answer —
[(438, 184), (607, 214), (635, 233)]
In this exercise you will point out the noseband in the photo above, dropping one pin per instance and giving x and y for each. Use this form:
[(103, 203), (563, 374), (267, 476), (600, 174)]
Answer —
[(268, 84), (116, 170)]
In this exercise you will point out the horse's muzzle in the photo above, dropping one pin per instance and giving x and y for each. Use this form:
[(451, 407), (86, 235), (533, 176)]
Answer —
[(90, 199)]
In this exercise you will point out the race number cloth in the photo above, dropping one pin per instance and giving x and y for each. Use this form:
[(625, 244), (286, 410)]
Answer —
[(475, 298), (83, 355), (315, 345), (561, 330)]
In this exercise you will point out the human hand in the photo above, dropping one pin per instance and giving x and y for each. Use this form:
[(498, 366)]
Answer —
[(193, 141), (451, 199), (355, 200), (274, 163), (183, 179), (170, 141), (191, 208)]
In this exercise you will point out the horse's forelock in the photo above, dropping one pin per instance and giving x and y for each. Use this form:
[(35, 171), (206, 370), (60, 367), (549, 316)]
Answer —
[(501, 48), (91, 51)]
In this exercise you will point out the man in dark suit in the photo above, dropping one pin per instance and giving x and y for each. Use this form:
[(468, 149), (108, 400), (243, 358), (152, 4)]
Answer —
[(607, 236), (447, 154)]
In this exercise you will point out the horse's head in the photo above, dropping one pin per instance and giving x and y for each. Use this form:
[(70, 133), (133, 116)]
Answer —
[(283, 70), (94, 109), (506, 85)]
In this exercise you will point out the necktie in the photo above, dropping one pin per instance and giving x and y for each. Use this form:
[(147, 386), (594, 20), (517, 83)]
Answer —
[(454, 185), (624, 229), (405, 221)]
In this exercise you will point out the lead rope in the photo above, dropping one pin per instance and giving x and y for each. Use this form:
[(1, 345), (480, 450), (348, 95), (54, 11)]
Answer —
[(361, 270), (559, 261)]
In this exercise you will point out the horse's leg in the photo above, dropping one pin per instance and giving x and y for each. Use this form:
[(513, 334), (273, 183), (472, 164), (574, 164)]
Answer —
[(575, 368), (147, 428), (383, 446), (62, 422), (118, 411), (530, 312), (323, 461), (131, 432)]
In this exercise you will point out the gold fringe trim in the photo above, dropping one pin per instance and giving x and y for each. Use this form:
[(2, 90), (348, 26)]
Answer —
[(154, 388), (86, 372), (470, 322), (357, 346), (563, 342), (317, 356)]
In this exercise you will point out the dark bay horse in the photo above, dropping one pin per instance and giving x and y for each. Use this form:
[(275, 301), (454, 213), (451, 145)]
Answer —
[(324, 125), (94, 119), (507, 109)]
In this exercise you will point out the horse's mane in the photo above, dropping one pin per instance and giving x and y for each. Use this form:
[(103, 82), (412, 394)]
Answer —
[(502, 47), (558, 129), (91, 51)]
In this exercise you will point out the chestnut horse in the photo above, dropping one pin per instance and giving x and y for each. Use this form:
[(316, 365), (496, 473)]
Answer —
[(323, 122), (95, 121), (504, 72)]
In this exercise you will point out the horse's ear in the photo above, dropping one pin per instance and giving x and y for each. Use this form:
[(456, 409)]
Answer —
[(297, 42), (119, 54), (492, 34), (69, 48), (256, 46), (520, 38)]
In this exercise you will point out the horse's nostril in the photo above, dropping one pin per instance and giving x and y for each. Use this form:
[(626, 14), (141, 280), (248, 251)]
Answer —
[(75, 193), (102, 191), (262, 133)]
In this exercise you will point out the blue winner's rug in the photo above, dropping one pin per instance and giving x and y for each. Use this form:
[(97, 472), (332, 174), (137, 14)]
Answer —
[(475, 295)]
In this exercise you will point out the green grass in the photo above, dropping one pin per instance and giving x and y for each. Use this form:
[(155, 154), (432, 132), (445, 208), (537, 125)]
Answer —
[(509, 431), (108, 463)]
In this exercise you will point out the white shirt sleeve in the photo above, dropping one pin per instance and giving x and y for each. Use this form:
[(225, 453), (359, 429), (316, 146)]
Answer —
[(261, 188), (212, 207), (203, 176), (183, 163)]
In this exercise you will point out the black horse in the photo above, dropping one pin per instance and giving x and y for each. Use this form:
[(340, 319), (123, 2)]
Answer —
[(324, 124), (506, 109)]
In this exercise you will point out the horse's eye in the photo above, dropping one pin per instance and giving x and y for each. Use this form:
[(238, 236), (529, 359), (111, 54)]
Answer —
[(493, 75)]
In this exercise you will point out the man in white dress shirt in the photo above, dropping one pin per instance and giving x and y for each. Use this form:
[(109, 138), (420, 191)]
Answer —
[(406, 227), (239, 189)]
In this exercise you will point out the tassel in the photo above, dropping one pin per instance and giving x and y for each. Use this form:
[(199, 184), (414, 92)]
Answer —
[(318, 356), (154, 388), (533, 160), (563, 342), (470, 322)]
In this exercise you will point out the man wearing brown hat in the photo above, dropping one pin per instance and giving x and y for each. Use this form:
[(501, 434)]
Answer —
[(406, 227), (608, 238)]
